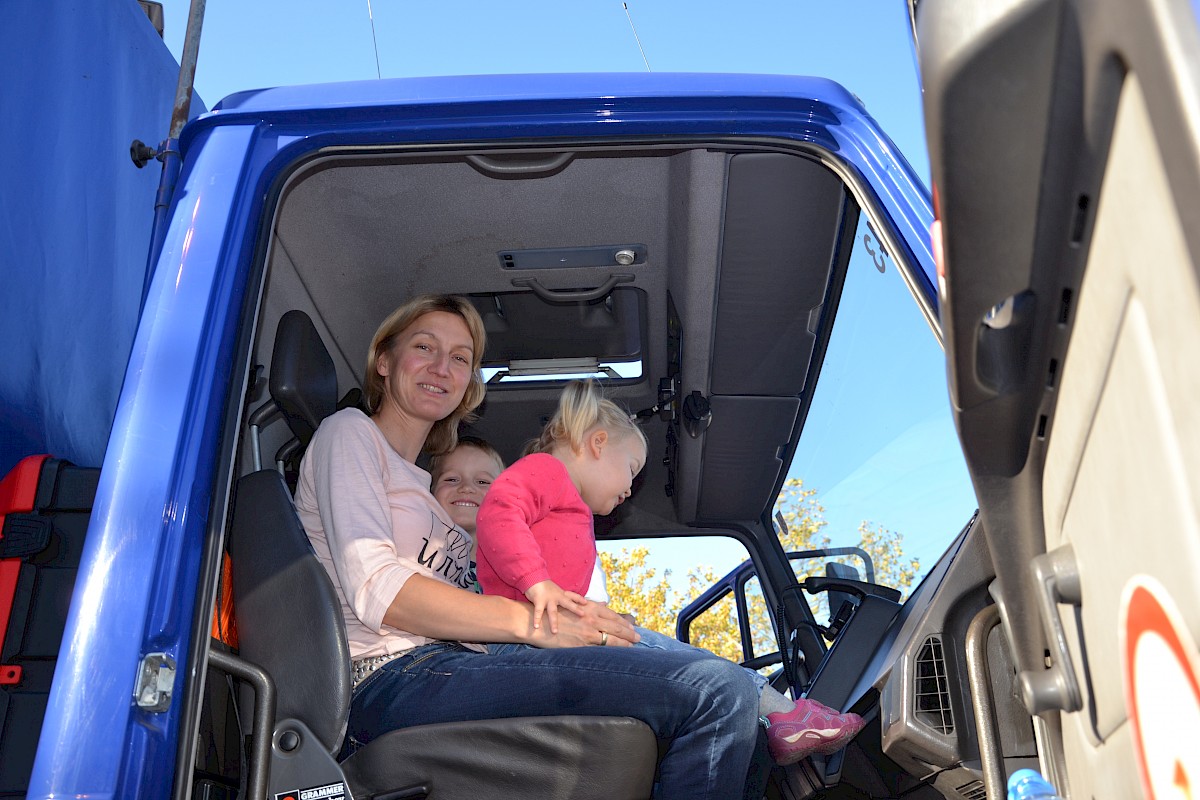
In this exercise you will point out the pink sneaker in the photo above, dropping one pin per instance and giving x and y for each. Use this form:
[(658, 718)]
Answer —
[(809, 729)]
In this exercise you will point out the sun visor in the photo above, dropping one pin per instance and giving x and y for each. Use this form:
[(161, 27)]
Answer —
[(603, 337), (783, 218)]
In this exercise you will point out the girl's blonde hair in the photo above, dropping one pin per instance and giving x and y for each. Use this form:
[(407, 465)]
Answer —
[(582, 408), (444, 435)]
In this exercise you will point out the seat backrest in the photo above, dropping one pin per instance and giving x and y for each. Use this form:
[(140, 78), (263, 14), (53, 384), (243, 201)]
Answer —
[(288, 612), (303, 378)]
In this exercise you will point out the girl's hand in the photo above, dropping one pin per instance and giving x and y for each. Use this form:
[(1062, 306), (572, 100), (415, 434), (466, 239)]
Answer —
[(548, 596)]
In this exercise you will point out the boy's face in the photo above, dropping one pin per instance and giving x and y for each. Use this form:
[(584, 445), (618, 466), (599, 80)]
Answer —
[(466, 475)]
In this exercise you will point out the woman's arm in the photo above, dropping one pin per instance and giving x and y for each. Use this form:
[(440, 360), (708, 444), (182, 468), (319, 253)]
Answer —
[(343, 480), (428, 607)]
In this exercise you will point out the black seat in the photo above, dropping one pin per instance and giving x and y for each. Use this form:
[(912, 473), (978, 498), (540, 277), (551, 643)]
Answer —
[(291, 626)]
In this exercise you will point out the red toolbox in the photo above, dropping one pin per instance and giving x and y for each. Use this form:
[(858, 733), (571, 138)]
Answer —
[(45, 504)]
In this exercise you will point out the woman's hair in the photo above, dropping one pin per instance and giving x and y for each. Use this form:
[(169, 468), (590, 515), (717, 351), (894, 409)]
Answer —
[(444, 434), (582, 408), (437, 463)]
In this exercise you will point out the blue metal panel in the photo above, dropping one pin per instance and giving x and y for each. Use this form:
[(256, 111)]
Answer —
[(137, 582), (80, 81)]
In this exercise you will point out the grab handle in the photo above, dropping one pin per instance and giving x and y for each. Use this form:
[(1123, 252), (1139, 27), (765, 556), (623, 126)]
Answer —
[(572, 295), (982, 701), (1055, 688), (533, 165), (258, 773)]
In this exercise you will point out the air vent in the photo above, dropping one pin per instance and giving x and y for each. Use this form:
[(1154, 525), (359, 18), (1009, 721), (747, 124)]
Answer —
[(932, 688), (975, 790)]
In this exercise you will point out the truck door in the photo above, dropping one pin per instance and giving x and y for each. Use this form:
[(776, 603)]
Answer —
[(1066, 154)]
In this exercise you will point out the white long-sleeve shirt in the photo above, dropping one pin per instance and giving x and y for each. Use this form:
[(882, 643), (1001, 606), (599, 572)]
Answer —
[(374, 523)]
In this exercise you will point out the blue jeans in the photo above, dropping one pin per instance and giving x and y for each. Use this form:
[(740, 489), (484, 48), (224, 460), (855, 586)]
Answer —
[(655, 641), (695, 700)]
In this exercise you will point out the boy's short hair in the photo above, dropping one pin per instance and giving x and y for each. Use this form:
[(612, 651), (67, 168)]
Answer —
[(436, 462)]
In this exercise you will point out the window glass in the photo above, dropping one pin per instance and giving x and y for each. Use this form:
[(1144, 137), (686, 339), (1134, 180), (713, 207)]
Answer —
[(654, 579), (763, 637), (879, 465)]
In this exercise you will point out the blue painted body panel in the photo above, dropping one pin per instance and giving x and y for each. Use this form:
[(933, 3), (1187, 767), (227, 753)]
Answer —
[(498, 107), (138, 583)]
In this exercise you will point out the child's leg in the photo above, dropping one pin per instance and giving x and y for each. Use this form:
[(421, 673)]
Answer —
[(795, 729), (658, 641)]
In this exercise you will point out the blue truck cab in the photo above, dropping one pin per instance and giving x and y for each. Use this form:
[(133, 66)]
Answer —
[(146, 589)]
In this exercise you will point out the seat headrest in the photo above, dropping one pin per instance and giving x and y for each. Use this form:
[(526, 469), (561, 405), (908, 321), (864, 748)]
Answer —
[(303, 378)]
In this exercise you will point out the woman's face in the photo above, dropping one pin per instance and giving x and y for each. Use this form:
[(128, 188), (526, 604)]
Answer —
[(428, 367)]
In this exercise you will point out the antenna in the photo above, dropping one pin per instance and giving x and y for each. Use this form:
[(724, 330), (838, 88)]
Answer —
[(371, 16), (635, 35)]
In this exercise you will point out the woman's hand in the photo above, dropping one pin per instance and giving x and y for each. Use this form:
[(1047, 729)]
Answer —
[(428, 607), (596, 624)]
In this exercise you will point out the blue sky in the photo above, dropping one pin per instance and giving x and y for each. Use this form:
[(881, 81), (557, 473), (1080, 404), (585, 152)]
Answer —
[(883, 461)]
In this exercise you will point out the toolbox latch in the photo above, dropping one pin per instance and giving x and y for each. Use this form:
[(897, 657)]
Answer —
[(25, 534)]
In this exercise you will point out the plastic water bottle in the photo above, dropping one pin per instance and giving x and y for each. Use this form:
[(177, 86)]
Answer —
[(1028, 784)]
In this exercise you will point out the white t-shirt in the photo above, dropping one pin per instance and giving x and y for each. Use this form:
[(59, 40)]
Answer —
[(598, 588)]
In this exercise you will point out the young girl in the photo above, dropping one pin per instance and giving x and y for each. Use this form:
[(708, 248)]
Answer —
[(459, 481), (536, 542)]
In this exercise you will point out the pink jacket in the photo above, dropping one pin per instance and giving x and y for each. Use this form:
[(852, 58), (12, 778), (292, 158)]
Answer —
[(534, 526)]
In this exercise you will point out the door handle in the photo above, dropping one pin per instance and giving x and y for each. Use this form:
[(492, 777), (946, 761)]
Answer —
[(1055, 688)]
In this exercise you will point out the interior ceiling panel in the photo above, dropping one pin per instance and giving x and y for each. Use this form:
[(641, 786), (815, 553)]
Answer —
[(382, 233)]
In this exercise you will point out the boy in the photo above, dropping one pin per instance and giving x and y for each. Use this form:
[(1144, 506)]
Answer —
[(462, 477)]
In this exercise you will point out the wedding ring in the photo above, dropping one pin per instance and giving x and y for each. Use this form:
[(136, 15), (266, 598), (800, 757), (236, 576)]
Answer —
[(603, 638)]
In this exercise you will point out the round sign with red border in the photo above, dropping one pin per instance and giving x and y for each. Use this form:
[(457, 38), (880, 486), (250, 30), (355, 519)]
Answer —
[(1159, 664)]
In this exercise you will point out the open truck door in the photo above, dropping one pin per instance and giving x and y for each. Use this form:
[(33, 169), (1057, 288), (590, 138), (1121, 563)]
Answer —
[(1065, 145)]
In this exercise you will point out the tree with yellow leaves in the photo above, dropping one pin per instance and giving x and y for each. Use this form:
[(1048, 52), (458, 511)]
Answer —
[(638, 589)]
